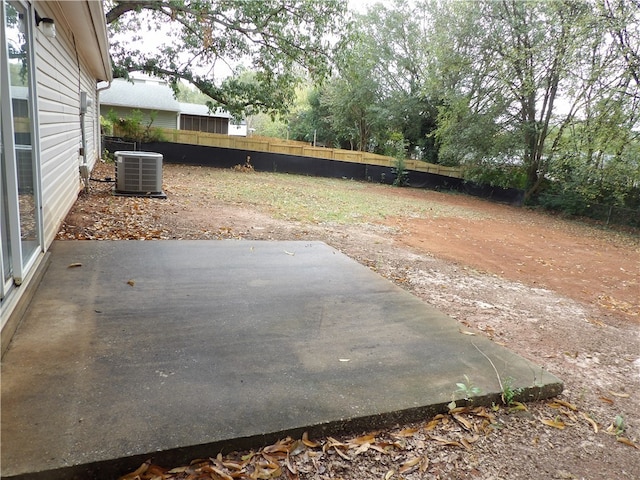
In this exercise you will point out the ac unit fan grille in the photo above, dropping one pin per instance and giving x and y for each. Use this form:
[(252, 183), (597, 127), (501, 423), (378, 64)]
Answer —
[(140, 174)]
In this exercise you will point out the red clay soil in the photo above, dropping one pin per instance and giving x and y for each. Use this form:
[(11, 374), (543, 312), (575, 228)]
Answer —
[(534, 249)]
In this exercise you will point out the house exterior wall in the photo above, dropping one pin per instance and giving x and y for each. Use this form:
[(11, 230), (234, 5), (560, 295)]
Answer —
[(60, 77), (238, 130), (72, 62), (162, 119)]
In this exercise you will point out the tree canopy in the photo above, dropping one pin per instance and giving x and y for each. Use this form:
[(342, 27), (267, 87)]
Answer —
[(521, 79), (378, 85), (542, 95), (279, 40)]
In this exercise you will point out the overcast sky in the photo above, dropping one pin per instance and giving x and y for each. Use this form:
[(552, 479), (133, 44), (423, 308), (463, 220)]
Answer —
[(153, 39)]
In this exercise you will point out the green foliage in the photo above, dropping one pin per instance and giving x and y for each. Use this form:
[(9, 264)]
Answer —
[(106, 128), (501, 68), (597, 169), (209, 43), (350, 101), (496, 173), (397, 55), (310, 115), (133, 127), (188, 94), (509, 393), (106, 125), (618, 425), (478, 142), (108, 156), (396, 147), (468, 137), (267, 126), (377, 87), (468, 389)]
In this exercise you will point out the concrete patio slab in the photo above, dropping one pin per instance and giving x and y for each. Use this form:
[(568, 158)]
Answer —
[(173, 350)]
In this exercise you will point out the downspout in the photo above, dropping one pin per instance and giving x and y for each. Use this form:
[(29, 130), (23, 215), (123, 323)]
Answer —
[(85, 101), (98, 90)]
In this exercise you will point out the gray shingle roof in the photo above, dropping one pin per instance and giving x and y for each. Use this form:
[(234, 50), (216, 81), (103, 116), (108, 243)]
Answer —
[(140, 94), (152, 95), (202, 111)]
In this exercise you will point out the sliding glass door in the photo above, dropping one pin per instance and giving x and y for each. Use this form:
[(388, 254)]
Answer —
[(21, 222)]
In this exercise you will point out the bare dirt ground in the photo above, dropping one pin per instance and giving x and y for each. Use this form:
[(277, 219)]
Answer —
[(563, 294)]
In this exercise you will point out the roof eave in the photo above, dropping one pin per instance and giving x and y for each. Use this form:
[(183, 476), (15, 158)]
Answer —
[(87, 21)]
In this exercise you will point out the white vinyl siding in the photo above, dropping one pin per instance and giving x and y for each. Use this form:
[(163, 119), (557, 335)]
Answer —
[(59, 81), (162, 119)]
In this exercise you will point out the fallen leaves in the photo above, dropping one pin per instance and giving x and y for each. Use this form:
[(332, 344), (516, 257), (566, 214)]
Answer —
[(567, 412), (628, 442), (138, 473), (121, 218), (555, 423), (466, 332), (619, 395), (591, 421), (463, 421), (557, 403), (611, 303), (397, 450), (421, 462), (307, 442)]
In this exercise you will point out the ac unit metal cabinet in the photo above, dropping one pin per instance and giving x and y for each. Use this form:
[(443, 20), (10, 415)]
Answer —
[(139, 173)]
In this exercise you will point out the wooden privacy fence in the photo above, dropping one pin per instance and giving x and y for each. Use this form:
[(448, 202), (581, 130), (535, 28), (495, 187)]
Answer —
[(290, 147)]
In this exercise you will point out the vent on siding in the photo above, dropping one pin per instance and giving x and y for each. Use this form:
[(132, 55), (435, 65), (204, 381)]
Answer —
[(139, 173)]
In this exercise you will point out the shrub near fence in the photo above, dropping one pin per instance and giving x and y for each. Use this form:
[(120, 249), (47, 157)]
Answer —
[(290, 147), (609, 214), (618, 215)]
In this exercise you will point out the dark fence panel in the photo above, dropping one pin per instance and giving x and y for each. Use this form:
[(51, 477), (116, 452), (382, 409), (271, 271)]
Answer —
[(113, 144), (512, 196), (322, 167), (266, 161)]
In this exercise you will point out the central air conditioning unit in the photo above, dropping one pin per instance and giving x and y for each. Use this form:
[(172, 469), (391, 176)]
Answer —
[(139, 174)]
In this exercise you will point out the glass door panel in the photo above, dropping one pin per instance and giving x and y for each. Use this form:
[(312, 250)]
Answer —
[(6, 267), (20, 220), (20, 82)]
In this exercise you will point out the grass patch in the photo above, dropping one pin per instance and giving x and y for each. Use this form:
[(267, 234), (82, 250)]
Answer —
[(322, 200)]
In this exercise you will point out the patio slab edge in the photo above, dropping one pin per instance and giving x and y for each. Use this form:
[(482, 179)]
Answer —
[(115, 468)]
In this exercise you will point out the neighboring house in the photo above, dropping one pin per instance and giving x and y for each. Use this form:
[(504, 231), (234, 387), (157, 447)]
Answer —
[(238, 130), (155, 100), (50, 131), (198, 118)]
